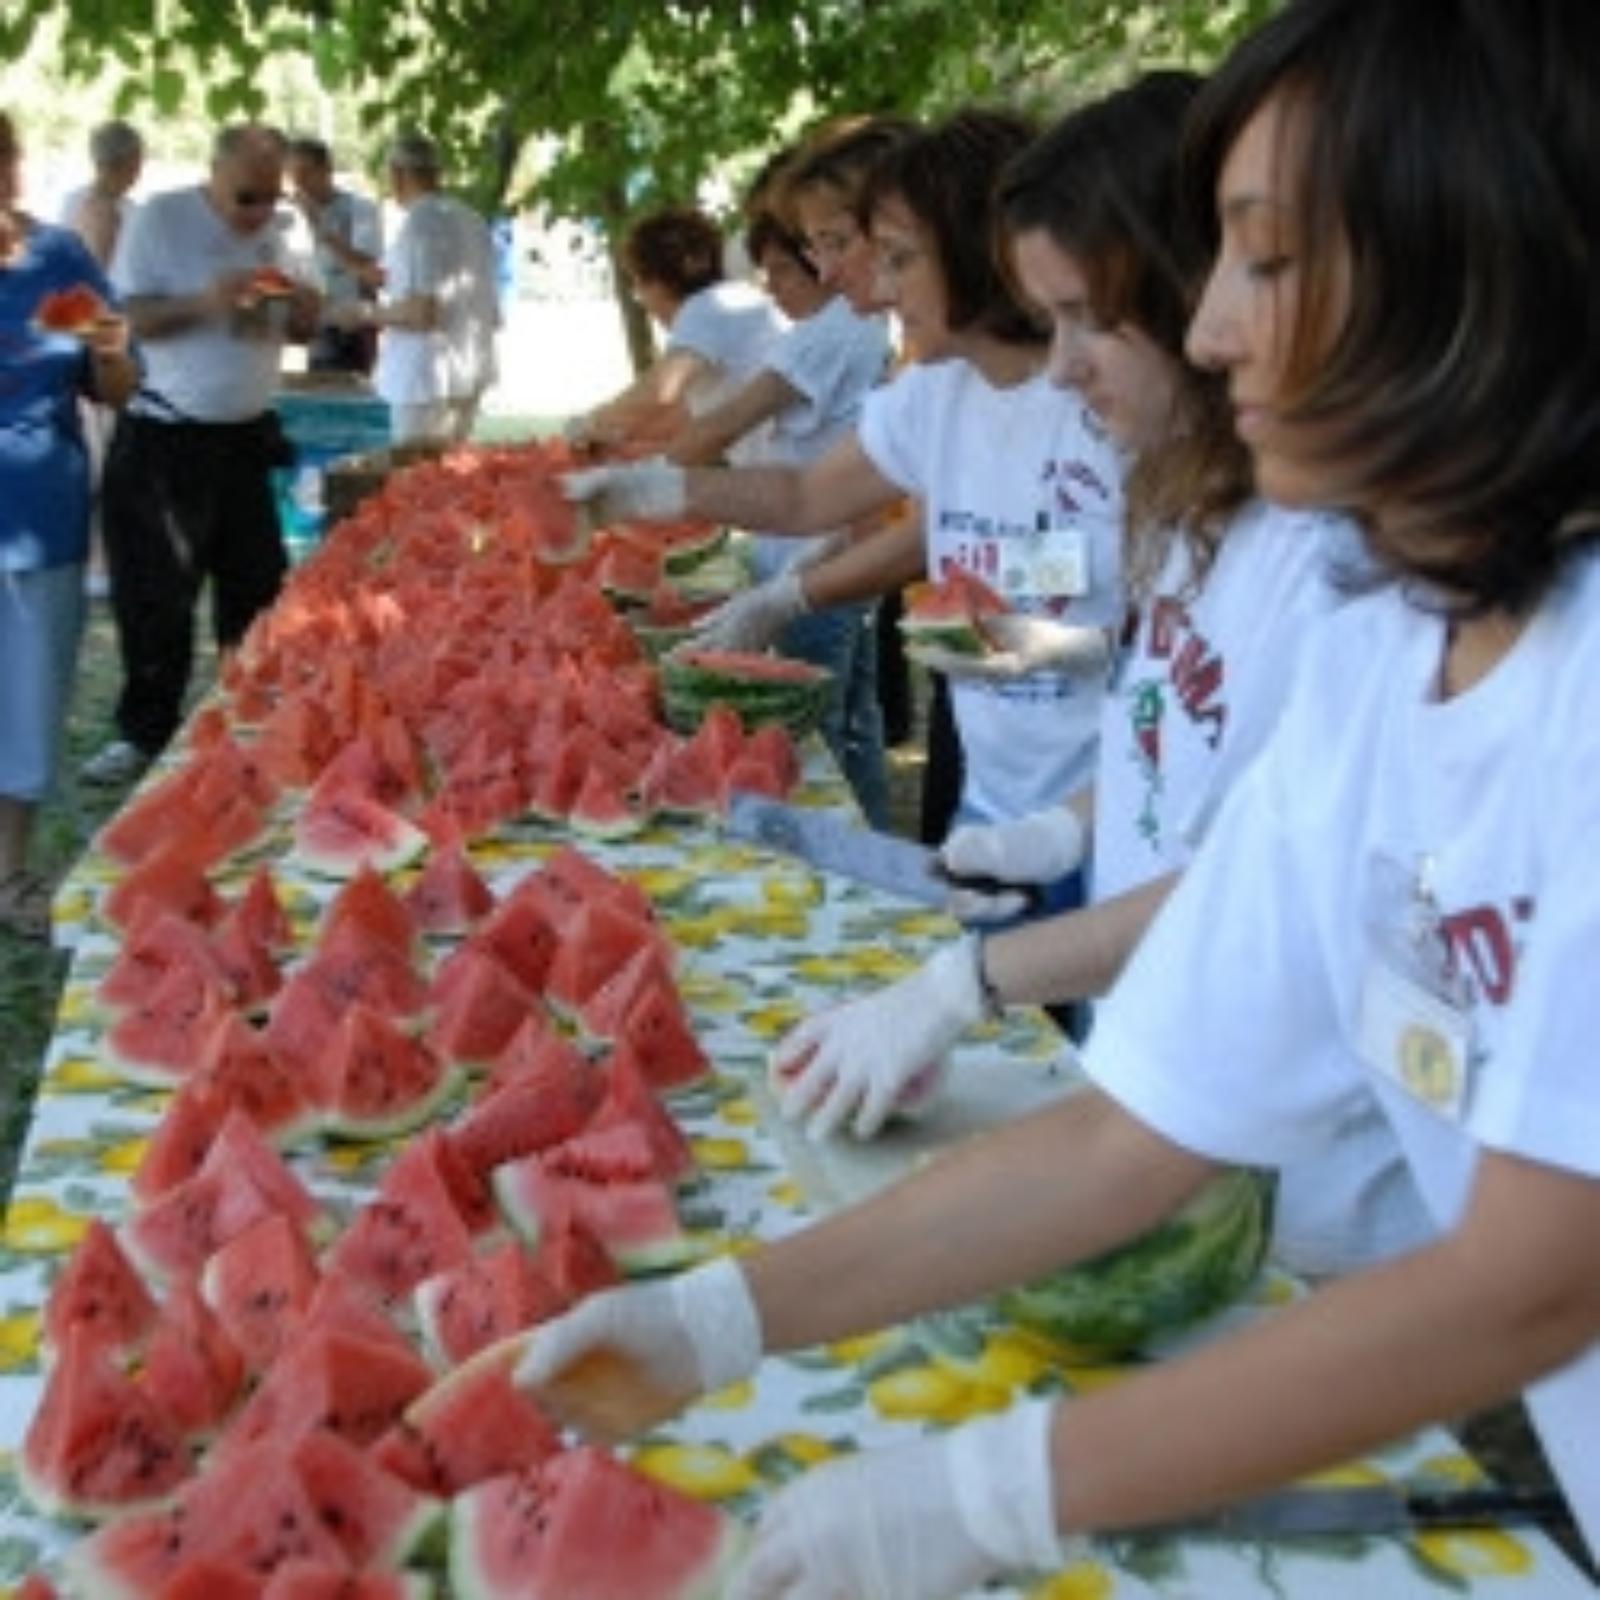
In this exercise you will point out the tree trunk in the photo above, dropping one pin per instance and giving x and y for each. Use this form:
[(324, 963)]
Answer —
[(636, 327)]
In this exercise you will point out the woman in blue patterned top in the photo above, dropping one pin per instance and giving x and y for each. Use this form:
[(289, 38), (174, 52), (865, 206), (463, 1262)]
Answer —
[(44, 514)]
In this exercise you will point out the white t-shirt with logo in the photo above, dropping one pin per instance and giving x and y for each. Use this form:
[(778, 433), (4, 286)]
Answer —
[(999, 471), (443, 249), (175, 244), (1240, 1028), (831, 360), (1198, 689), (733, 328)]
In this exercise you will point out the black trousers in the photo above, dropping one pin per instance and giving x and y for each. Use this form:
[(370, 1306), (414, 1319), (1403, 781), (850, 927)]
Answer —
[(945, 770), (181, 503)]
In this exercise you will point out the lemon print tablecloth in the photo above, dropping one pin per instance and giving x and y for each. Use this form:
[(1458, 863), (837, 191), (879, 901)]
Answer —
[(762, 941)]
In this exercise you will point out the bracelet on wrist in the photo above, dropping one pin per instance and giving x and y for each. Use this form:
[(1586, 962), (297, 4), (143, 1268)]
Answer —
[(994, 1006)]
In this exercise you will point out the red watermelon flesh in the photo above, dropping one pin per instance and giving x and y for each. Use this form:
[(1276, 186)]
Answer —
[(245, 961), (657, 1030), (192, 1369), (373, 906), (682, 779), (133, 1557), (372, 1079), (480, 1006), (75, 309), (549, 1102), (340, 1307), (597, 942), (355, 963), (450, 896), (302, 1017), (748, 774), (570, 880), (536, 1048), (522, 939), (571, 1259), (630, 1099), (259, 1284), (97, 1443), (752, 666), (176, 1232), (99, 1292), (603, 1013), (261, 911), (164, 1036), (621, 1152), (635, 1219), (169, 879), (160, 942), (239, 1146), (473, 1424), (359, 768), (312, 1580), (601, 807), (773, 746), (379, 1521), (719, 740), (240, 1063), (181, 1140), (473, 1305), (349, 831), (211, 1578), (587, 1527), (352, 1386), (150, 818)]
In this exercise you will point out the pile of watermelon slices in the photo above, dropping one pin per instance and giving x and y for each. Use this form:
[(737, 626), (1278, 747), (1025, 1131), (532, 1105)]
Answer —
[(250, 1396)]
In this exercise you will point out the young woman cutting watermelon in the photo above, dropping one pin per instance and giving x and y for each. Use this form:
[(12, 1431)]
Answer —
[(1391, 907), (1009, 467), (1224, 587)]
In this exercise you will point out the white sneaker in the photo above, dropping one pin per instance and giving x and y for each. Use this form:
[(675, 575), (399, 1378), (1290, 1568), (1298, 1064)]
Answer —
[(117, 762)]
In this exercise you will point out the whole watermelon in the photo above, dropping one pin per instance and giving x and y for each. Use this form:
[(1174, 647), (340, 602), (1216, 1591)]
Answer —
[(1193, 1264)]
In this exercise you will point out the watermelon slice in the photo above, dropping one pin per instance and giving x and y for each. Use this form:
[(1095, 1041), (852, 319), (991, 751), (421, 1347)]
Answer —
[(245, 961), (355, 963), (630, 1099), (314, 1580), (259, 1284), (349, 831), (548, 1103), (473, 1424), (594, 945), (261, 912), (520, 936), (371, 1080), (634, 1218), (192, 1369), (159, 942), (950, 614), (181, 1140), (355, 1387), (601, 1016), (241, 1064), (369, 902), (98, 1291), (380, 1521), (658, 1032), (211, 1578), (572, 1260), (74, 310), (173, 1236), (269, 283), (467, 1307), (569, 880), (164, 1036), (587, 1527), (450, 896), (170, 879), (601, 808), (97, 1444), (480, 1006)]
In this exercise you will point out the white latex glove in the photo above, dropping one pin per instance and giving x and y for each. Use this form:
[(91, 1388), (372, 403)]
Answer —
[(1036, 849), (1022, 647), (856, 1063), (652, 490), (627, 1358), (930, 1520), (753, 618)]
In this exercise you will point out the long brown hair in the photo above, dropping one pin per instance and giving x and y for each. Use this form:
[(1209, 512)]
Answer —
[(1102, 184), (1449, 195)]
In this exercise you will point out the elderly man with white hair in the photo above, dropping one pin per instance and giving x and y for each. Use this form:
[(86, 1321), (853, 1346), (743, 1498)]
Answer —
[(97, 211), (439, 314)]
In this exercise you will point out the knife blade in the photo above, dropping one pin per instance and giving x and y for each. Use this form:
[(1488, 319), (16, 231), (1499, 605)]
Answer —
[(1378, 1508), (830, 842)]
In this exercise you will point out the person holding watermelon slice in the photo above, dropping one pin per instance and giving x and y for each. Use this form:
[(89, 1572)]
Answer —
[(995, 448), (1391, 910), (60, 342)]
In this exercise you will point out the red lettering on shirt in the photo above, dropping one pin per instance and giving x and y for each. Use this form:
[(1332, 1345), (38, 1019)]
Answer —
[(1480, 940)]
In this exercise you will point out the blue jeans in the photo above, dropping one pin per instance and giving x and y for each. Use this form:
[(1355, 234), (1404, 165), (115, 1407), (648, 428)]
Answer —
[(844, 641)]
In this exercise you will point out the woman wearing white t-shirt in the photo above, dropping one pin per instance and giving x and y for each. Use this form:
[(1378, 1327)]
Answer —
[(1393, 907), (719, 332), (996, 450)]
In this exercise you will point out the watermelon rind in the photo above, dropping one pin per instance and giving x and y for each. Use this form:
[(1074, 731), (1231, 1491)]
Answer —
[(953, 638), (524, 1189), (1190, 1266), (685, 555)]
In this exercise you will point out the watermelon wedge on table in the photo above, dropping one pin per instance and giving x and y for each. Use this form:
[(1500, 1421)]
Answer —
[(348, 831), (587, 1527), (372, 1079), (191, 1368), (467, 1307), (98, 1292)]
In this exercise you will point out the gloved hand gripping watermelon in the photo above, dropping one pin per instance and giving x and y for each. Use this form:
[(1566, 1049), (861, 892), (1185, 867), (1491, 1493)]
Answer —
[(950, 615)]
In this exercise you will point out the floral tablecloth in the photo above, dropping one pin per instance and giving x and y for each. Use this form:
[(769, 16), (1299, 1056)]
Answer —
[(762, 940)]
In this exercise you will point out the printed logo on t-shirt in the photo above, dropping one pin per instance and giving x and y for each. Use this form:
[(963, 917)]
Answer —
[(1194, 668), (1484, 945)]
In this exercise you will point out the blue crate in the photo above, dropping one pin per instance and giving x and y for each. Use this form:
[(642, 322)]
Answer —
[(322, 428)]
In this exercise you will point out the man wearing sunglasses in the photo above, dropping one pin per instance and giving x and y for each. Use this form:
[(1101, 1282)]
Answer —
[(212, 295)]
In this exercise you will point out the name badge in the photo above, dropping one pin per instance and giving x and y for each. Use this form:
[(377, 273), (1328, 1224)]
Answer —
[(1415, 1024), (1047, 561)]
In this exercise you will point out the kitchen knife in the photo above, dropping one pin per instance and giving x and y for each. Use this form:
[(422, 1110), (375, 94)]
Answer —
[(830, 842), (1378, 1508)]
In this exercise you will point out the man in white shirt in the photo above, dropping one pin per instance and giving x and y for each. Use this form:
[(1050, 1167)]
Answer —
[(346, 232), (436, 353), (204, 273), (97, 211)]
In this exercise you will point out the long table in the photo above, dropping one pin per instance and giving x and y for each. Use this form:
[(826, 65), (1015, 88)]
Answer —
[(762, 941)]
